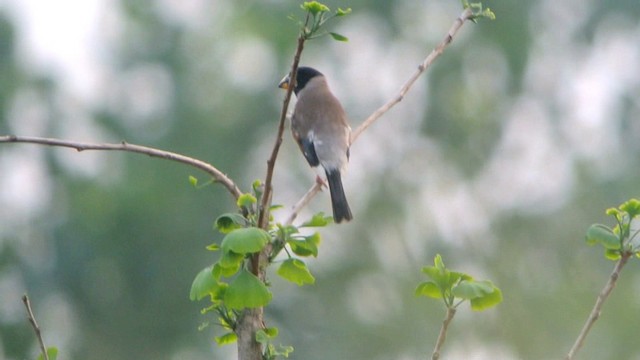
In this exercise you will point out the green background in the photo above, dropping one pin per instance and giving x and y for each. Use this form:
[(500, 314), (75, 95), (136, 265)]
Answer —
[(517, 139)]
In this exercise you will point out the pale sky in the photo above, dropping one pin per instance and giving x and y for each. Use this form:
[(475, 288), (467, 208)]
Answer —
[(62, 38)]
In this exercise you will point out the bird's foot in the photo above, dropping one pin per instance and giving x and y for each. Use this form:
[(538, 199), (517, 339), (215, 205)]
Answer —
[(320, 181)]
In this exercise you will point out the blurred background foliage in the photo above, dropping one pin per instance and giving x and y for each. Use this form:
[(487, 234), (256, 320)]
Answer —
[(517, 139)]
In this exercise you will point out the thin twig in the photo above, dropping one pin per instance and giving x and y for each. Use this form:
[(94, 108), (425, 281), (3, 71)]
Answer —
[(597, 308), (34, 324), (263, 217), (437, 51), (124, 146), (316, 188), (451, 311), (466, 15)]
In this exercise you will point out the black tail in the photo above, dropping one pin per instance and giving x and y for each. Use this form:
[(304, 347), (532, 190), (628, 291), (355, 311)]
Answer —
[(341, 209)]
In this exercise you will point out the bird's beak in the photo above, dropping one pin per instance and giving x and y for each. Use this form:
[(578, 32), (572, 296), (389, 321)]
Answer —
[(284, 83)]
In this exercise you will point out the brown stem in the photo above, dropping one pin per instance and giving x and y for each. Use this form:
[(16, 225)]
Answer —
[(311, 193), (263, 218), (443, 333), (34, 324), (251, 320), (124, 146), (466, 15), (597, 308)]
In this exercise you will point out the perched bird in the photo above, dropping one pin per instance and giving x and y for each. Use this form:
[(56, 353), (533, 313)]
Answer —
[(319, 126)]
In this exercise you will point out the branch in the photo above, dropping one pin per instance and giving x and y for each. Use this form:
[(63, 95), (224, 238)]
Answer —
[(251, 320), (316, 188), (437, 51), (263, 217), (124, 146), (466, 15), (451, 311), (34, 324), (597, 308)]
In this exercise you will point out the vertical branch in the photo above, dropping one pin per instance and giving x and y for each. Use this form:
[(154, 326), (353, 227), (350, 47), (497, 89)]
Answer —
[(251, 320), (597, 308), (34, 324), (263, 217), (451, 311)]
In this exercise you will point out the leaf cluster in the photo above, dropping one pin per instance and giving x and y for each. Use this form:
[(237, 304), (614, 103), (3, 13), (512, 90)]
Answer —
[(623, 237), (229, 283), (455, 287), (317, 15), (478, 11)]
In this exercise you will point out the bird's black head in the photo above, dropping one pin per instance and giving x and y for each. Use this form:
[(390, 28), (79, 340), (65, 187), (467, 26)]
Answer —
[(303, 76)]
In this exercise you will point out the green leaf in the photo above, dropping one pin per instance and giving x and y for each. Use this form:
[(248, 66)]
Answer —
[(226, 223), (272, 353), (631, 207), (477, 11), (303, 248), (318, 220), (314, 7), (213, 247), (438, 262), (284, 350), (271, 332), (469, 290), (245, 240), (341, 12), (275, 207), (52, 353), (228, 338), (264, 335), (440, 274), (612, 254), (598, 233), (429, 289), (286, 231), (204, 284), (488, 300), (246, 291), (306, 247), (246, 201), (258, 188), (228, 265), (296, 271), (455, 277), (338, 37), (193, 181)]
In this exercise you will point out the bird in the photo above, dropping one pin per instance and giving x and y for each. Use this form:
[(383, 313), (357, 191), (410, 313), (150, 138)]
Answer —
[(319, 126)]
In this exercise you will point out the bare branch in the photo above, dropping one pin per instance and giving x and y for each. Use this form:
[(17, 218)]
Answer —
[(263, 217), (466, 15), (597, 308), (34, 324), (124, 146), (451, 311), (316, 188)]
